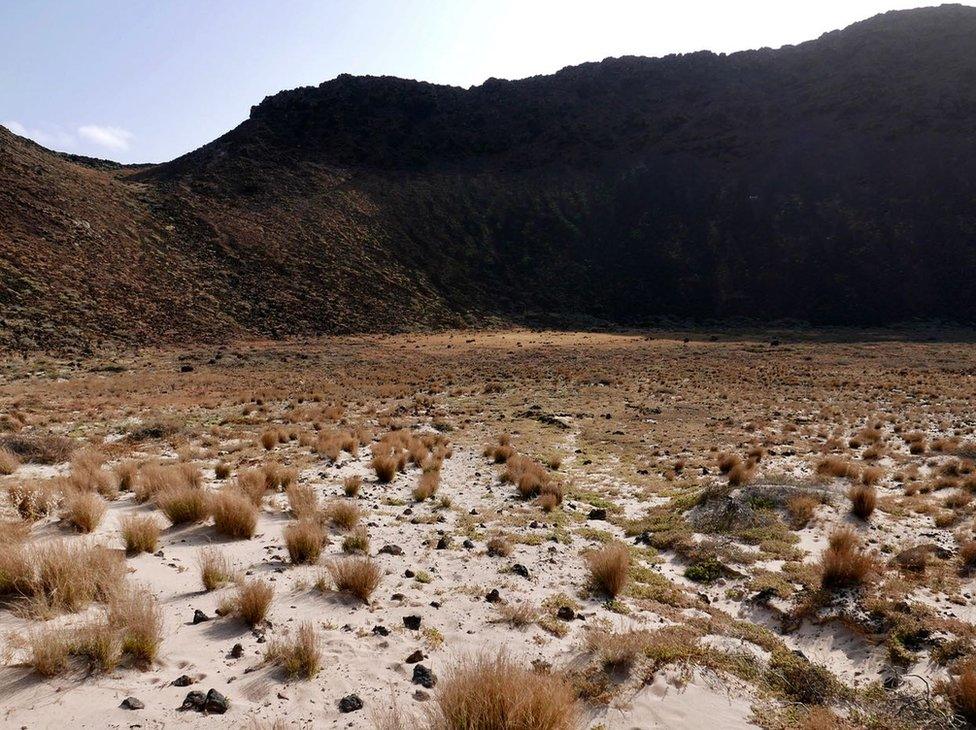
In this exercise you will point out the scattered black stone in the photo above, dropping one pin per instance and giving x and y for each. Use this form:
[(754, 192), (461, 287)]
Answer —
[(421, 696), (416, 656), (238, 651), (186, 368), (194, 700), (381, 631), (391, 550), (435, 604), (412, 622), (443, 544), (408, 573), (468, 544), (565, 613), (216, 703), (493, 596), (424, 677), (521, 570), (182, 681), (199, 617), (131, 703), (350, 703), (597, 514), (397, 597)]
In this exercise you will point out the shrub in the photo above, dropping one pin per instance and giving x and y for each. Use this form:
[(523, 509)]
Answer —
[(302, 500), (726, 462), (872, 475), (863, 500), (343, 514), (16, 570), (83, 510), (269, 439), (490, 693), (140, 533), (616, 652), (304, 540), (155, 478), (843, 564), (518, 614), (351, 485), (834, 466), (742, 473), (87, 475), (33, 500), (609, 568), (234, 514), (958, 499), (301, 655), (222, 470), (547, 502), (385, 466), (358, 576), (215, 569), (967, 553), (183, 505)]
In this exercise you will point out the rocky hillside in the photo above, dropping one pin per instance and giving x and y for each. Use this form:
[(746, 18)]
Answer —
[(832, 182)]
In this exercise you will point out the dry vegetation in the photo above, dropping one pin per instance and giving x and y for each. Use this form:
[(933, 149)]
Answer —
[(795, 521)]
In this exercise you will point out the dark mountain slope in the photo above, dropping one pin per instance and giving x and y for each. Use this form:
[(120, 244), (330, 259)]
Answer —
[(833, 182)]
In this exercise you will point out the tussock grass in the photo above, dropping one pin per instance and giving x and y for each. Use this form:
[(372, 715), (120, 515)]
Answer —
[(342, 514), (299, 655), (302, 500), (34, 500), (140, 533), (351, 485), (844, 564), (234, 514), (9, 463), (609, 569), (39, 448), (83, 510), (183, 505), (250, 603), (357, 576), (863, 498), (215, 569), (304, 540), (494, 692)]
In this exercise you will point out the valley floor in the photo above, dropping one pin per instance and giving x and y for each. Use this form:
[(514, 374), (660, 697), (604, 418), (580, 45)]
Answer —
[(718, 478)]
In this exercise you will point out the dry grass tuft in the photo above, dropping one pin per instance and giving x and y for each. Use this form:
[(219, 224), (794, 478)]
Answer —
[(357, 576), (83, 510), (183, 505), (9, 463), (356, 541), (136, 615), (304, 540), (385, 466), (427, 485), (491, 693), (961, 692), (609, 568), (499, 547), (215, 570), (342, 514), (844, 564), (302, 500), (863, 498), (800, 508), (140, 533), (300, 655), (251, 602), (616, 652), (40, 448), (234, 514), (351, 485)]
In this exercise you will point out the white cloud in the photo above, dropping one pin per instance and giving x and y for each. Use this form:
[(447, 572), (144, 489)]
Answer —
[(112, 138), (54, 137)]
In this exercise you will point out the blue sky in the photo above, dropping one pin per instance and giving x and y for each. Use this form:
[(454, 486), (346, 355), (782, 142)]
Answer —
[(145, 81)]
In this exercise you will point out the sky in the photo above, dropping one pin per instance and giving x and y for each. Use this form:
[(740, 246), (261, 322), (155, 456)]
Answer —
[(148, 80)]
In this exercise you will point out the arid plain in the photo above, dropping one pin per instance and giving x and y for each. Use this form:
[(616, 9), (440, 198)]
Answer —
[(572, 529)]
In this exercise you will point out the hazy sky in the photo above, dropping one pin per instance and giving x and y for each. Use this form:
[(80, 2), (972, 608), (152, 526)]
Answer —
[(147, 80)]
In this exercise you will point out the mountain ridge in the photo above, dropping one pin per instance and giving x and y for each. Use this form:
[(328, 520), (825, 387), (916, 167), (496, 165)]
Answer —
[(827, 182)]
